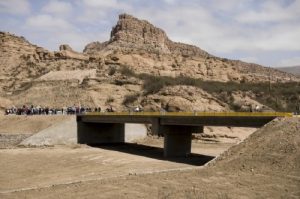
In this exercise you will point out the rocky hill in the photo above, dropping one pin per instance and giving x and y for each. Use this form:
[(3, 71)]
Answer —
[(131, 33), (147, 48), (295, 70), (138, 65)]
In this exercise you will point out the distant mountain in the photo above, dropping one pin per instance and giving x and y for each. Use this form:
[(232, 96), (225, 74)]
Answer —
[(295, 70)]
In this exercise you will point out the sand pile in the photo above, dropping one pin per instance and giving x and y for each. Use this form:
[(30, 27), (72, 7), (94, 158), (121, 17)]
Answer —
[(275, 148)]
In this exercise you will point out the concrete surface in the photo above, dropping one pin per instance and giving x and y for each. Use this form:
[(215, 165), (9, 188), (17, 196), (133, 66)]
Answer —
[(62, 133), (65, 133), (134, 132)]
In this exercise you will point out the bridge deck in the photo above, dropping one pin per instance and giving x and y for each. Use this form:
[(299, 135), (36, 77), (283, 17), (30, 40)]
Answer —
[(182, 114), (234, 119)]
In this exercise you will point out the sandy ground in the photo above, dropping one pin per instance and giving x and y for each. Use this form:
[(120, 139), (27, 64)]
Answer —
[(31, 168), (265, 165)]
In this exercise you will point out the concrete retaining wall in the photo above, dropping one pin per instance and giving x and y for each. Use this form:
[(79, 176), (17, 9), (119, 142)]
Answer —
[(65, 133)]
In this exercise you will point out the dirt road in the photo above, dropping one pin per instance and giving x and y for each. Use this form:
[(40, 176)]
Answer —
[(31, 168), (265, 165)]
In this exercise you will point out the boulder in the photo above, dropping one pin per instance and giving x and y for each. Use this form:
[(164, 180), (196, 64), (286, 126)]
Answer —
[(65, 47)]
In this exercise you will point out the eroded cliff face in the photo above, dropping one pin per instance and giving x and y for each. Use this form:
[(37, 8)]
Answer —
[(147, 49), (131, 33), (22, 63), (30, 74)]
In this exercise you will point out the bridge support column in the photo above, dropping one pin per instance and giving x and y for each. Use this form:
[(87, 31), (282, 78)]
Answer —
[(100, 133), (178, 140), (177, 144)]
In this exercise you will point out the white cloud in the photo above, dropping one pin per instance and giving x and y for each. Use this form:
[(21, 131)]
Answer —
[(294, 61), (170, 1), (47, 23), (270, 11), (54, 31), (95, 11), (199, 25), (249, 59), (282, 37), (228, 5), (195, 25), (57, 8), (102, 4), (15, 7)]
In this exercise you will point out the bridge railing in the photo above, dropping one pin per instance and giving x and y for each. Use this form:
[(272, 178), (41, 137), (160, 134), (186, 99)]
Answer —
[(182, 114)]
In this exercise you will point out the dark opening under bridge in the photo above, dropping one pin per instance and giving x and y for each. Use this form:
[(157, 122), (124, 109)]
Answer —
[(176, 127)]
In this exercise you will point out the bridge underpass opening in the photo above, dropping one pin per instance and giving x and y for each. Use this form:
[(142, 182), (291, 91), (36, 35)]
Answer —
[(177, 129)]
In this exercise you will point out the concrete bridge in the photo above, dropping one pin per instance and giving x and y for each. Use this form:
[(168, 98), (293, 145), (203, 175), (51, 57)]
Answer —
[(176, 127)]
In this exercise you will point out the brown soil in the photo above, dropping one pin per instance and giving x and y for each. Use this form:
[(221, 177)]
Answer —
[(15, 128), (265, 165)]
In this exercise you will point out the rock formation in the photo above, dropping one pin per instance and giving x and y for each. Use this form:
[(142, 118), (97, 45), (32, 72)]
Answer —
[(141, 43), (132, 33), (30, 74), (66, 52)]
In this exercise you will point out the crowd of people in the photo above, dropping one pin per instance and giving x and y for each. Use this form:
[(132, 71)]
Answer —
[(71, 110), (39, 110)]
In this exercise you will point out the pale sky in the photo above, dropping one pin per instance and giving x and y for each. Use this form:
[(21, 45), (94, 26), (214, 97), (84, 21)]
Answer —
[(266, 32)]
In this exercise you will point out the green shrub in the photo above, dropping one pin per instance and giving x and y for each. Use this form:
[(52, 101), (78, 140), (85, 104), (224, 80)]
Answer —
[(128, 99), (112, 71), (110, 100), (125, 70)]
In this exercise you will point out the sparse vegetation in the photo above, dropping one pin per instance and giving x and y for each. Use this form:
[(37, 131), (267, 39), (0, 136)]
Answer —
[(58, 67), (109, 100), (114, 58), (125, 70), (112, 71), (278, 96), (129, 99)]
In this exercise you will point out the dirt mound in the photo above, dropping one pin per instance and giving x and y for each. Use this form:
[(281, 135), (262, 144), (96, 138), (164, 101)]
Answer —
[(275, 148)]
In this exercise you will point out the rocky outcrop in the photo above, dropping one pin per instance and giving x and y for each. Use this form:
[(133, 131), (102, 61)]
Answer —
[(186, 50), (94, 47), (131, 33), (65, 47), (66, 52), (182, 98), (148, 49)]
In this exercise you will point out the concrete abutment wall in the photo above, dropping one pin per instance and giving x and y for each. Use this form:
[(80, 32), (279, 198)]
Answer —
[(100, 133)]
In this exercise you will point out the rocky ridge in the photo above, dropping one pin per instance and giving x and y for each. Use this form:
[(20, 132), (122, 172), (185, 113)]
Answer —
[(147, 48), (28, 72), (131, 33)]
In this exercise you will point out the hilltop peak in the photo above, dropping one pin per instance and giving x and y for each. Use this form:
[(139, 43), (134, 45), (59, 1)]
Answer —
[(131, 33), (134, 33)]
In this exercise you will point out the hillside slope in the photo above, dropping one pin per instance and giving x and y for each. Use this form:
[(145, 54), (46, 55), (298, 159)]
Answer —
[(295, 70), (119, 72)]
